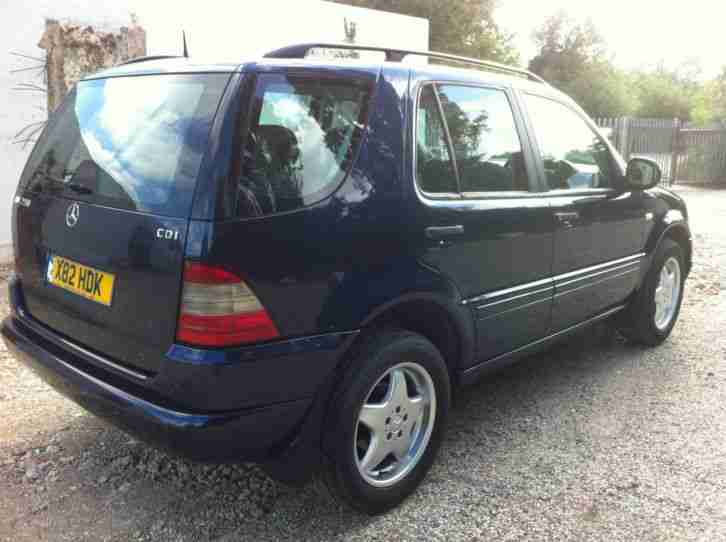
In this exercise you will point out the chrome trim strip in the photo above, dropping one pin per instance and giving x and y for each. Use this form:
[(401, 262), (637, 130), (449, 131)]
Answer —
[(635, 266), (510, 290), (588, 270), (576, 192), (514, 298), (512, 309), (551, 282), (591, 284)]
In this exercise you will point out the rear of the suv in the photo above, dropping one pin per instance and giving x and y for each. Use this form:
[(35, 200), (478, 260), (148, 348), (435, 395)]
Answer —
[(175, 246), (109, 187)]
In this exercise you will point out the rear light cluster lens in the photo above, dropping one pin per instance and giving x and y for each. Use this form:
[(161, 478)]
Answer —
[(219, 309)]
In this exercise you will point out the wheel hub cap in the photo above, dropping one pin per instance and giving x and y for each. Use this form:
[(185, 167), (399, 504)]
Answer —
[(667, 293), (395, 424)]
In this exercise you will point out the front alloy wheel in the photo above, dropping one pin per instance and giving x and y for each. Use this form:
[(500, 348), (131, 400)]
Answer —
[(653, 311), (667, 293)]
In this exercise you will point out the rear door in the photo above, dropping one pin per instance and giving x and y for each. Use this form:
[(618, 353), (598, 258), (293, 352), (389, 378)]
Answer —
[(102, 211), (600, 228), (488, 229)]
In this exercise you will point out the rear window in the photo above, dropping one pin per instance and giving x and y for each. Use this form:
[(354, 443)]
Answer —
[(128, 142), (302, 137)]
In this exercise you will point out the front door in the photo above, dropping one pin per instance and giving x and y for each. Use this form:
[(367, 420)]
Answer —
[(487, 229), (599, 228)]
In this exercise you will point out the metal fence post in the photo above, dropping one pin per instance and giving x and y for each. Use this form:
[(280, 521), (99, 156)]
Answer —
[(675, 151), (624, 137)]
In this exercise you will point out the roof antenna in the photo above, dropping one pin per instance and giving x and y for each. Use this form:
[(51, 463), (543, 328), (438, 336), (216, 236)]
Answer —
[(184, 40)]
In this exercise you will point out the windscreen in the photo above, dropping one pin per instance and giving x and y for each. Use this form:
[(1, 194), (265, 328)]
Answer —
[(128, 142)]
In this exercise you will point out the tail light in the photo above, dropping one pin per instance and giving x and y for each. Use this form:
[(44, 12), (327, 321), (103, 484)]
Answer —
[(219, 309)]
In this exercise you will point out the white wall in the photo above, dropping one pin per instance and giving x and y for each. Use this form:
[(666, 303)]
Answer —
[(217, 30), (228, 30), (21, 26)]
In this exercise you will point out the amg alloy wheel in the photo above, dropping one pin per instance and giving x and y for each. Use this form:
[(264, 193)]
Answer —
[(387, 419), (395, 424), (653, 311)]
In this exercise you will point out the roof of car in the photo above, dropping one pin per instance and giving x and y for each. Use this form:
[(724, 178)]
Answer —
[(474, 75), (421, 71), (160, 65)]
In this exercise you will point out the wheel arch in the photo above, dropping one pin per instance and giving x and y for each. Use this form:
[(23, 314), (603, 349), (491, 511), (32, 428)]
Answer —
[(444, 322), (679, 232)]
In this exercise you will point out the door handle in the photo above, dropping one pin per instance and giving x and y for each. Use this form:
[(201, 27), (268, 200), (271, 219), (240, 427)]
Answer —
[(444, 232), (567, 218)]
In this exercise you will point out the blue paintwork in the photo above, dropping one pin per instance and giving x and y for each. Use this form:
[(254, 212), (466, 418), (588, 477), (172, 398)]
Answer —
[(258, 353), (328, 270), (214, 437)]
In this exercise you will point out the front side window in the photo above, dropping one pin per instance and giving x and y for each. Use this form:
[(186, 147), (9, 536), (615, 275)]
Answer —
[(302, 138), (484, 136), (574, 156)]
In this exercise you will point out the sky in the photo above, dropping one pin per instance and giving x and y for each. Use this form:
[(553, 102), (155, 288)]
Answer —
[(638, 32)]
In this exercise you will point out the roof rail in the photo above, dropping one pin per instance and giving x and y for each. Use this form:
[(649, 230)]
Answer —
[(148, 58), (397, 55)]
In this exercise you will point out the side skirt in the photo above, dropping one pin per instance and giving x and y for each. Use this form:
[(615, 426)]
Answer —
[(472, 374)]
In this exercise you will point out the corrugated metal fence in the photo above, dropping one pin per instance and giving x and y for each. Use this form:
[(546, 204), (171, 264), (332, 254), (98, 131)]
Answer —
[(702, 156), (685, 155)]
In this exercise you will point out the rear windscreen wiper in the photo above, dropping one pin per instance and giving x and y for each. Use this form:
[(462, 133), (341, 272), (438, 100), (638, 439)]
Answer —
[(79, 188), (65, 183)]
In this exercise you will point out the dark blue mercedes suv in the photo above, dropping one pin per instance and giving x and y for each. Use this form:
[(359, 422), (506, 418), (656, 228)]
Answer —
[(295, 260)]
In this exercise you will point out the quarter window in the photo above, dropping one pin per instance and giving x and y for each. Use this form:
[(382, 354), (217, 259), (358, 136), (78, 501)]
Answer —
[(486, 145), (303, 136), (574, 156)]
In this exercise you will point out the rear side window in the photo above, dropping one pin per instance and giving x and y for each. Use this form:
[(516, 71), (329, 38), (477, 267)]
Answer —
[(488, 154), (128, 142), (434, 167), (302, 138), (486, 144), (573, 155)]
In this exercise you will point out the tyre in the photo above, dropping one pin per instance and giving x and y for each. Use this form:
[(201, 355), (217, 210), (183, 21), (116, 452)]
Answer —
[(386, 421), (652, 313)]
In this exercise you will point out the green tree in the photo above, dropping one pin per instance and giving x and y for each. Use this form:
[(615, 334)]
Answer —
[(710, 101), (664, 93), (462, 27), (718, 97), (573, 57)]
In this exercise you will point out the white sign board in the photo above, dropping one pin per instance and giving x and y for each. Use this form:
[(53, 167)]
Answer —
[(232, 31)]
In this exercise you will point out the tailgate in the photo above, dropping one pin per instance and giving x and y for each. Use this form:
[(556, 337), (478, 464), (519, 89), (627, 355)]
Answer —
[(103, 208), (137, 325)]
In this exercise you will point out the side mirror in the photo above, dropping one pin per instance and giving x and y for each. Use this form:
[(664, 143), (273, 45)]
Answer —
[(642, 174)]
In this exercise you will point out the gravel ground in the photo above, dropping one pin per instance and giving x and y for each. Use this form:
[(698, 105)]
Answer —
[(594, 440)]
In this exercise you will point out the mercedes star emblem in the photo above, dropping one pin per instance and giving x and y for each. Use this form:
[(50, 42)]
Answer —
[(72, 214)]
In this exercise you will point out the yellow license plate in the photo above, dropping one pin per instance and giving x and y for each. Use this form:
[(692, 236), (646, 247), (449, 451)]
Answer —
[(80, 279)]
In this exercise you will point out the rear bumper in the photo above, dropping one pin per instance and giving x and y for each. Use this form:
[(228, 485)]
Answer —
[(247, 434), (155, 410)]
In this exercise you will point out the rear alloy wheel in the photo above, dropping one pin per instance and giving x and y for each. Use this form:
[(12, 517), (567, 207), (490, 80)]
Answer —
[(395, 424), (386, 422), (652, 313)]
